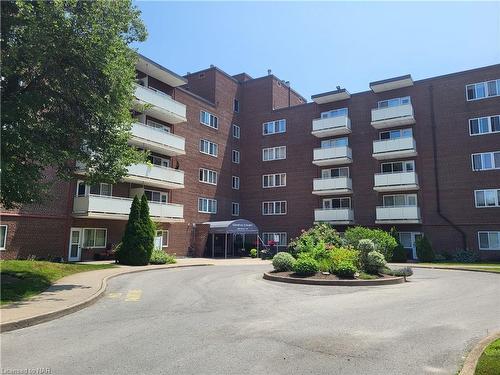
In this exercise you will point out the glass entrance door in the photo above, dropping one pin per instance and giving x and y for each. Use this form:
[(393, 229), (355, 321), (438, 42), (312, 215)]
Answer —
[(75, 245)]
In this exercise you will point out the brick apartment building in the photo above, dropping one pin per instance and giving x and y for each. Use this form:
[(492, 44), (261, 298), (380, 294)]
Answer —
[(421, 156)]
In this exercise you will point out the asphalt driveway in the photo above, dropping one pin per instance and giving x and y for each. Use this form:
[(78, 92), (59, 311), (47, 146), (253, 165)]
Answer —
[(228, 320)]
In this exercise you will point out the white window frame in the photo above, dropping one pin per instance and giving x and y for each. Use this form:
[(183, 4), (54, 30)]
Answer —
[(158, 126), (235, 182), (404, 163), (164, 162), (401, 132), (273, 151), (162, 194), (208, 201), (236, 131), (492, 153), (274, 205), (490, 128), (339, 112), (335, 142), (235, 156), (163, 231), (276, 127), (406, 198), (340, 199), (268, 236), (208, 176), (326, 173), (486, 89), (403, 100), (94, 229), (235, 209), (209, 145), (236, 106), (213, 121), (87, 189), (489, 233), (272, 178), (495, 192), (4, 236)]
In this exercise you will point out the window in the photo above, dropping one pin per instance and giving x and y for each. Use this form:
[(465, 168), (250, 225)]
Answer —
[(235, 209), (3, 236), (398, 166), (157, 160), (274, 208), (489, 240), (278, 237), (157, 125), (487, 198), (209, 148), (335, 113), (208, 176), (336, 203), (394, 102), (156, 196), (274, 180), (94, 237), (236, 183), (483, 90), (484, 125), (83, 189), (236, 131), (485, 161), (395, 134), (335, 172), (206, 205), (236, 157), (337, 142), (209, 120), (274, 153), (161, 239), (399, 200), (236, 105), (274, 127)]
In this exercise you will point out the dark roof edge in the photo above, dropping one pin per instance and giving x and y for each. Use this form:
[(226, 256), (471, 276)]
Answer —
[(393, 79), (328, 93), (162, 67), (183, 89)]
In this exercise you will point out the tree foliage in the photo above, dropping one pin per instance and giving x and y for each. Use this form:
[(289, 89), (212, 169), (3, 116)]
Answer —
[(67, 89)]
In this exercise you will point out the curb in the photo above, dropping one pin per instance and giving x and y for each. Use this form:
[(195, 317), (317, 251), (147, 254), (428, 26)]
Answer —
[(469, 367), (45, 317), (447, 268), (384, 281)]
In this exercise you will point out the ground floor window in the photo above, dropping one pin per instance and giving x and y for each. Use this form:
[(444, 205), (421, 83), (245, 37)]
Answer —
[(489, 240), (94, 237), (3, 236), (408, 240), (161, 239), (278, 237)]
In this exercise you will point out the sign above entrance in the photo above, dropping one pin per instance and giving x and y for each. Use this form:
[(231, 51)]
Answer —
[(239, 226)]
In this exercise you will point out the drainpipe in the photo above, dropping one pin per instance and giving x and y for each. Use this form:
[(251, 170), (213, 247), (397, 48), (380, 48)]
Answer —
[(436, 172)]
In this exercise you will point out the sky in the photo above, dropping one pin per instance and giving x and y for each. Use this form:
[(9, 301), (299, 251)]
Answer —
[(317, 46)]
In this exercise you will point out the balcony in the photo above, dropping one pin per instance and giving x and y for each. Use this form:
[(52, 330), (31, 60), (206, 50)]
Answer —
[(154, 175), (116, 208), (398, 215), (157, 140), (334, 216), (332, 186), (332, 156), (390, 117), (331, 126), (394, 148), (160, 105), (396, 181)]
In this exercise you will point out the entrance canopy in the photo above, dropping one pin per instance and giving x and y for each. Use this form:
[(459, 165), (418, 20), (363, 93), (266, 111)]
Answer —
[(240, 226)]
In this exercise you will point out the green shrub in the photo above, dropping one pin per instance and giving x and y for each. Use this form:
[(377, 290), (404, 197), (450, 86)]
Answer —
[(253, 253), (310, 238), (364, 246), (342, 254), (404, 271), (383, 241), (424, 250), (305, 266), (283, 261), (466, 256), (161, 257), (399, 254), (374, 261), (345, 269)]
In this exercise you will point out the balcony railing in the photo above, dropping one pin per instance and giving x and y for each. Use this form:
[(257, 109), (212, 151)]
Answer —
[(332, 186), (332, 155), (331, 126), (157, 140), (394, 148), (395, 181), (116, 208), (155, 175), (336, 215), (398, 214), (160, 105), (389, 117)]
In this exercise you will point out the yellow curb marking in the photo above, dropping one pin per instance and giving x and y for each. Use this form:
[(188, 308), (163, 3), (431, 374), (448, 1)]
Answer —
[(114, 295), (133, 295)]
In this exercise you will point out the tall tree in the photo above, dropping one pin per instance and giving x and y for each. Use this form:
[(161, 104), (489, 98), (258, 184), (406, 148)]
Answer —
[(149, 228), (67, 89)]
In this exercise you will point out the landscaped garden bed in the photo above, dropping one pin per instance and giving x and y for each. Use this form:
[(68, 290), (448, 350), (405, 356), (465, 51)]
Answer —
[(330, 279)]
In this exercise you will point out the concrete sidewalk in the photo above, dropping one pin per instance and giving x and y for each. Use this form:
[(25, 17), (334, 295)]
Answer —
[(77, 291)]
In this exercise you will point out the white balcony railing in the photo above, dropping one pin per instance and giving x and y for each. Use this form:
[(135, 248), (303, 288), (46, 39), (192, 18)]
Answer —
[(331, 126), (337, 215), (154, 175), (396, 181), (158, 140), (394, 148), (332, 155), (161, 105), (398, 214), (332, 186), (116, 208), (389, 117)]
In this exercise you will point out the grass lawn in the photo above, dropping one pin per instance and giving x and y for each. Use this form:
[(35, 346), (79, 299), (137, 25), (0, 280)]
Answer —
[(25, 278), (489, 362), (491, 267)]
